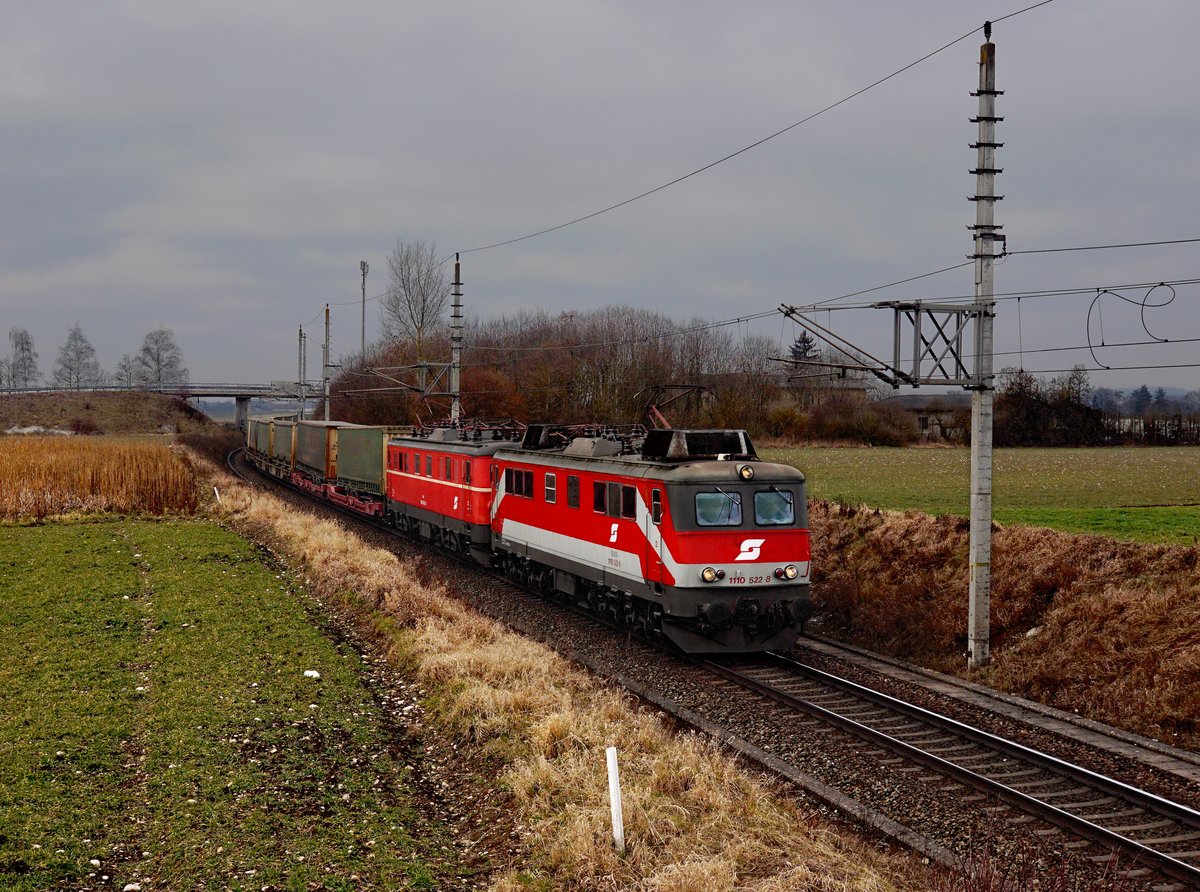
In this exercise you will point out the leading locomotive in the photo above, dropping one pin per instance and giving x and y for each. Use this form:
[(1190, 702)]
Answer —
[(681, 534)]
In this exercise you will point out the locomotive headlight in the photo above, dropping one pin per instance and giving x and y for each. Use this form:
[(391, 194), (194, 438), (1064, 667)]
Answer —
[(708, 574), (746, 472), (790, 571)]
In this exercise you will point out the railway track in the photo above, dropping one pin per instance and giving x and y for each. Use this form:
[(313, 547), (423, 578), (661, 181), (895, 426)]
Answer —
[(1142, 829), (1149, 834)]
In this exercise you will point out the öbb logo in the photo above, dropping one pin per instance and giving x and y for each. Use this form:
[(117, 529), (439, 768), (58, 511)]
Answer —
[(613, 535), (751, 548)]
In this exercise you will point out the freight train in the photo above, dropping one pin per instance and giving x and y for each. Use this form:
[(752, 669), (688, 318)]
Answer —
[(683, 535)]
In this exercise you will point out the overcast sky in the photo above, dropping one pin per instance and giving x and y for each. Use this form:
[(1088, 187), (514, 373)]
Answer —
[(221, 168)]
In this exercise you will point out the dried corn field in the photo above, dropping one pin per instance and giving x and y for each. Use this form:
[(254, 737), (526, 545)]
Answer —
[(45, 476)]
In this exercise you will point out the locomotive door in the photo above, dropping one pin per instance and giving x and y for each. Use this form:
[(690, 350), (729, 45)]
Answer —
[(654, 543)]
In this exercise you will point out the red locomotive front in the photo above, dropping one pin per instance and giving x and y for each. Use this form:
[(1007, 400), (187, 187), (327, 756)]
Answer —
[(709, 548)]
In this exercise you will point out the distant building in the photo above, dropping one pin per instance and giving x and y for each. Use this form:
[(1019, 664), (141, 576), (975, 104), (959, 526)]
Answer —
[(940, 416)]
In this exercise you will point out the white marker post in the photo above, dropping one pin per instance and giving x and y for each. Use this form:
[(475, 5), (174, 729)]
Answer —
[(217, 493), (614, 796)]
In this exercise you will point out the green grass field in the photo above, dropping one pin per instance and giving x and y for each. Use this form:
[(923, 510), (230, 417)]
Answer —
[(156, 717), (1143, 494)]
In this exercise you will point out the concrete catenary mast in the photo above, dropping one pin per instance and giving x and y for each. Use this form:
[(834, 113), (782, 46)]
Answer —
[(456, 339), (986, 238)]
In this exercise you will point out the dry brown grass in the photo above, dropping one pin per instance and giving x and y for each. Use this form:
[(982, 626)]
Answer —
[(44, 476), (694, 819), (1084, 623)]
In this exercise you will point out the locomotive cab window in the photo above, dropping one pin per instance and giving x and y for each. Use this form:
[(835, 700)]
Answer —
[(614, 500), (628, 502), (774, 507), (467, 471), (656, 506), (572, 491), (551, 488), (718, 509)]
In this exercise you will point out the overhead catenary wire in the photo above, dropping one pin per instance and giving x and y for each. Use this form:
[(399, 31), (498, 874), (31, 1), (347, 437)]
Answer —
[(1176, 241), (830, 107), (828, 304), (823, 305)]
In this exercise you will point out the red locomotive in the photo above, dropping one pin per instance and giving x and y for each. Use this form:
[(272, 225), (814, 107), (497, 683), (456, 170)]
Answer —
[(683, 534)]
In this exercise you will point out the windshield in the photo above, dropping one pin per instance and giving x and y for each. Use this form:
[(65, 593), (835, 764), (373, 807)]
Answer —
[(718, 509), (774, 507)]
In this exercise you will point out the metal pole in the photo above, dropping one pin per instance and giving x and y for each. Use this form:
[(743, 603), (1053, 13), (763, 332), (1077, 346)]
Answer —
[(303, 373), (300, 372), (362, 264), (325, 364), (456, 345), (980, 556)]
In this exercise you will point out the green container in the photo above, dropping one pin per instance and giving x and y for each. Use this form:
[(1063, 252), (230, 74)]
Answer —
[(316, 447), (283, 442), (362, 457), (260, 433)]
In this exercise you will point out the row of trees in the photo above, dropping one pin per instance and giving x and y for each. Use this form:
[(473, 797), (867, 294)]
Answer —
[(593, 366), (159, 363), (1068, 411), (1142, 402), (604, 365)]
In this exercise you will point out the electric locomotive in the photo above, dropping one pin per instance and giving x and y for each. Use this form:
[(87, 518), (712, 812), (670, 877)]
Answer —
[(681, 534)]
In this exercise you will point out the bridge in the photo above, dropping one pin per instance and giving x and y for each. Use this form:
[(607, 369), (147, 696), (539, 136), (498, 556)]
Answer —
[(240, 393)]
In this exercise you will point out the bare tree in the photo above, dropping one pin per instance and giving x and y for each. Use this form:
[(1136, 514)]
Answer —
[(23, 369), (76, 366), (418, 290), (160, 361), (126, 372), (5, 373)]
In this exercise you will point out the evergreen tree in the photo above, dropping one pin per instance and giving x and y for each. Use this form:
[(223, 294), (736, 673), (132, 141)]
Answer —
[(804, 347), (1140, 400)]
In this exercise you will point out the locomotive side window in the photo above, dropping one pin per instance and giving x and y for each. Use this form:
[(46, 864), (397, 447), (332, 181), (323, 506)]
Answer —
[(775, 507), (656, 506), (572, 491), (718, 509), (614, 500), (551, 488), (428, 465), (449, 470), (628, 501), (518, 483), (467, 471), (599, 500)]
